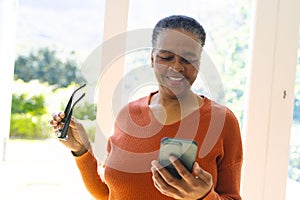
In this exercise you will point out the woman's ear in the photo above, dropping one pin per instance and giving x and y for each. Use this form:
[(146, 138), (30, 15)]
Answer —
[(152, 58)]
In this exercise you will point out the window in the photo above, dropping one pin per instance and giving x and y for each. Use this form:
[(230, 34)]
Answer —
[(35, 168), (293, 182)]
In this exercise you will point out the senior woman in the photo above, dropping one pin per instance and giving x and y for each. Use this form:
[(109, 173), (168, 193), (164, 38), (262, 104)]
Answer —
[(131, 169)]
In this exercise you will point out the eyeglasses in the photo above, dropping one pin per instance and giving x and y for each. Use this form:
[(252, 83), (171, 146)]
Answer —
[(63, 133)]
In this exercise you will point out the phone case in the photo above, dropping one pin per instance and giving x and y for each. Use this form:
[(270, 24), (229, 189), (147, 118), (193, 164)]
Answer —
[(185, 150)]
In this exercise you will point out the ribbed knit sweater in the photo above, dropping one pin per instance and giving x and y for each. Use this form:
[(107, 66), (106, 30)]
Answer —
[(136, 141)]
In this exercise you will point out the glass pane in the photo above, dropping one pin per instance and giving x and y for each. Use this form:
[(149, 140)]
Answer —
[(227, 24), (293, 181), (49, 33)]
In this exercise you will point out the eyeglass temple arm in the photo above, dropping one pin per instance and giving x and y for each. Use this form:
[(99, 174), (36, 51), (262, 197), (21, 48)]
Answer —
[(64, 131), (67, 109)]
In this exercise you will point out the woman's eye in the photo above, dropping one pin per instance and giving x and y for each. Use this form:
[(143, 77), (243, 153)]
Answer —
[(186, 61), (166, 58), (189, 61)]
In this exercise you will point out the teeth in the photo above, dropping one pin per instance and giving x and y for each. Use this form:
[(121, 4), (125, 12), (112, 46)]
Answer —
[(175, 78)]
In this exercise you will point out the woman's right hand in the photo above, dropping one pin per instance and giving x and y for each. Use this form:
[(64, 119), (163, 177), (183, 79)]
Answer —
[(78, 141)]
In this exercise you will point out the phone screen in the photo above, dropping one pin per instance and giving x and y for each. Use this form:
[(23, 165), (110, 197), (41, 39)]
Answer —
[(185, 150)]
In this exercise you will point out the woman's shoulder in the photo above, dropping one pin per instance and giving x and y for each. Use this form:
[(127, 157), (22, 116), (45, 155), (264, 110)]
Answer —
[(133, 115), (140, 102), (218, 111), (135, 107), (212, 105)]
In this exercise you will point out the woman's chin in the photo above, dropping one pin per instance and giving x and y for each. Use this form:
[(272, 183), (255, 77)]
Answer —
[(176, 93)]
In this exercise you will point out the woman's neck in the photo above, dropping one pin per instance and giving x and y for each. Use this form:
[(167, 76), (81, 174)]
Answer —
[(190, 100), (168, 110)]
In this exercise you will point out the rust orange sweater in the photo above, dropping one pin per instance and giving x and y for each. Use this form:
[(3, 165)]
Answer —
[(135, 143)]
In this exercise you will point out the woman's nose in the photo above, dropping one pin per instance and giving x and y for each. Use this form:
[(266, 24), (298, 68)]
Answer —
[(177, 65)]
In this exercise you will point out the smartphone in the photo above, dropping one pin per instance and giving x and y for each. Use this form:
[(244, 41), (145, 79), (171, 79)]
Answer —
[(185, 150)]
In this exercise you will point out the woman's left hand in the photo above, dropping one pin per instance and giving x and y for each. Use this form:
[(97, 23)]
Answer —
[(192, 185)]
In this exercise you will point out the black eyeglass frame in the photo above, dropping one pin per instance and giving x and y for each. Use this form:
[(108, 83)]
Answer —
[(63, 133)]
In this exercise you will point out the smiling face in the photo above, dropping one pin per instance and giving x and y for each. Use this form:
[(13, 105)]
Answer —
[(176, 60)]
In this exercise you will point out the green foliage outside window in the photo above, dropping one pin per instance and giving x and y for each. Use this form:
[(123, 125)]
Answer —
[(22, 104), (294, 163), (85, 111), (28, 117), (45, 65)]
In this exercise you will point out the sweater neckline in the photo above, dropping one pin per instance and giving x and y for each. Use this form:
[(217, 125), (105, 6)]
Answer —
[(195, 112)]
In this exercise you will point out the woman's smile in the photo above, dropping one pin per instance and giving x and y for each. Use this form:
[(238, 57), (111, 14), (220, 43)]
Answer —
[(174, 81)]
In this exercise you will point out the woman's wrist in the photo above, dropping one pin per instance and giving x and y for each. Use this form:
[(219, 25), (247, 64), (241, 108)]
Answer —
[(203, 197), (80, 152)]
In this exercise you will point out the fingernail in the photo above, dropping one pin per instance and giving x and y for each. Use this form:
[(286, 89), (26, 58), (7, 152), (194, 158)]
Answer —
[(173, 158), (152, 169), (197, 166), (153, 162)]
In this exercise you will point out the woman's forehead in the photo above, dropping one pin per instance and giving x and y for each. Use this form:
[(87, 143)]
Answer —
[(178, 41)]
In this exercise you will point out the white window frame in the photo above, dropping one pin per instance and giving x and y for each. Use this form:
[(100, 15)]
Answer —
[(8, 24), (270, 97), (115, 23)]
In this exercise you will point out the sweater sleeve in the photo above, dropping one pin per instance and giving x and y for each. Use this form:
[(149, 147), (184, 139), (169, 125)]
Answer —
[(232, 192), (87, 165), (229, 166)]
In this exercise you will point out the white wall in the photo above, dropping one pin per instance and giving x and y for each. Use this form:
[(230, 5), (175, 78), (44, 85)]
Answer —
[(8, 21)]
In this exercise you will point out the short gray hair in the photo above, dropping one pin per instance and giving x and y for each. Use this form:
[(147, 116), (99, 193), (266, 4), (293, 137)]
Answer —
[(180, 22)]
